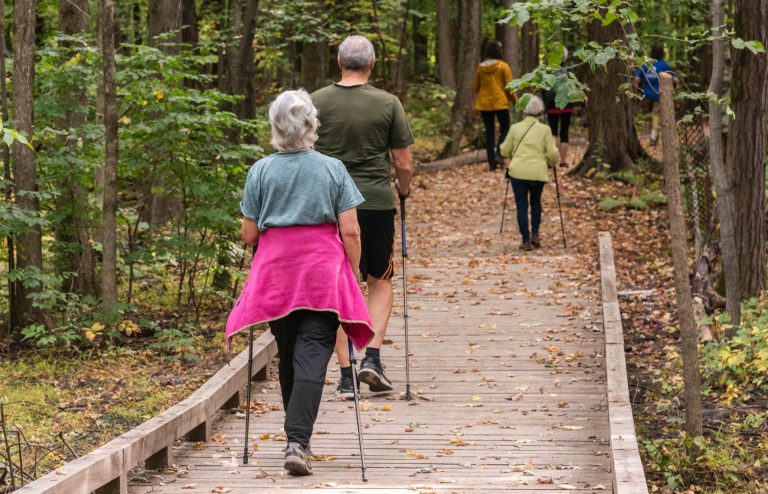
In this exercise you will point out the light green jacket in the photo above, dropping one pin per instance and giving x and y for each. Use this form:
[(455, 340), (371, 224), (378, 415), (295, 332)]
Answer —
[(534, 153)]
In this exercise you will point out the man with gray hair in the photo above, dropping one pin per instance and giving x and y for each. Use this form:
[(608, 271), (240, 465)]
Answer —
[(367, 129)]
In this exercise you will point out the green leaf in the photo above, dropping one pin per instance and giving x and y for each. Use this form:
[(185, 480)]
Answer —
[(555, 56), (563, 95), (7, 138)]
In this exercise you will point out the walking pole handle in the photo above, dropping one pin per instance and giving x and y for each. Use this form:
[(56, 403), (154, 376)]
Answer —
[(402, 226)]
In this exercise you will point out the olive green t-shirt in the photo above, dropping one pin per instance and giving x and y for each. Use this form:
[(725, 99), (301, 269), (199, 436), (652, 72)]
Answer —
[(359, 125)]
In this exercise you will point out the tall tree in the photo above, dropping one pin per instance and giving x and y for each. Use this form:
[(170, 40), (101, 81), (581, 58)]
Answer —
[(612, 135), (164, 16), (469, 57), (314, 56), (511, 43), (244, 74), (6, 330), (189, 32), (444, 44), (109, 266), (723, 183), (75, 230), (747, 148), (29, 253), (529, 41)]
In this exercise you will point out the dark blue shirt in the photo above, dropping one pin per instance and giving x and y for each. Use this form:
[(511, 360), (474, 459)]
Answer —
[(649, 78)]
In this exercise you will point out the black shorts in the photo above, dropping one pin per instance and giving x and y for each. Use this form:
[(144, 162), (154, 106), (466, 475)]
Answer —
[(564, 121), (377, 232)]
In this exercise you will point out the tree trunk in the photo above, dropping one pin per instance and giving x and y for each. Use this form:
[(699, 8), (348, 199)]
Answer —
[(444, 44), (420, 51), (511, 44), (29, 244), (469, 57), (688, 334), (747, 149), (314, 58), (530, 47), (5, 331), (399, 63), (612, 136), (723, 185), (245, 62), (74, 228), (164, 16), (109, 264), (189, 32)]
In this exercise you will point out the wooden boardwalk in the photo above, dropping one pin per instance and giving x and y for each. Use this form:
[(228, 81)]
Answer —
[(508, 368)]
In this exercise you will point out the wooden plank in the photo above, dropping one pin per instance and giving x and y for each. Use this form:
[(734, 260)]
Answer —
[(628, 474)]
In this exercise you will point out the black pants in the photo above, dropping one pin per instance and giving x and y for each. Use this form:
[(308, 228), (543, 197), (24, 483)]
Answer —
[(564, 121), (305, 341), (523, 189), (491, 146)]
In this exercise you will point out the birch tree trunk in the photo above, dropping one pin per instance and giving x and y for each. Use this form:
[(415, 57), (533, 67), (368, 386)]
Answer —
[(687, 325), (109, 263), (723, 184)]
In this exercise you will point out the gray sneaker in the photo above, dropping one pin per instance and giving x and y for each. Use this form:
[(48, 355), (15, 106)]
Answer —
[(372, 374), (297, 460)]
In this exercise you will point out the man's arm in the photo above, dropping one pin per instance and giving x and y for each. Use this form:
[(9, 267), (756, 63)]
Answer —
[(403, 162)]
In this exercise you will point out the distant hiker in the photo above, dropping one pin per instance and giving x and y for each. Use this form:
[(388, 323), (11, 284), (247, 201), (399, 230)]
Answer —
[(493, 99), (297, 205), (647, 80), (559, 119), (362, 126), (530, 149)]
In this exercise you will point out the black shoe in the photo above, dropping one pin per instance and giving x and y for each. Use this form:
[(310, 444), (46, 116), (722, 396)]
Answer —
[(345, 389), (372, 374), (297, 460), (535, 241), (526, 246)]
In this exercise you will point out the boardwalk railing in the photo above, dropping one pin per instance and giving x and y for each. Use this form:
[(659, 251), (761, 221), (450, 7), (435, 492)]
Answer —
[(628, 474), (105, 470)]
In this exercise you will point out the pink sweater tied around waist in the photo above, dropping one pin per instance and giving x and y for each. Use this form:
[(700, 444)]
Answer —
[(301, 267)]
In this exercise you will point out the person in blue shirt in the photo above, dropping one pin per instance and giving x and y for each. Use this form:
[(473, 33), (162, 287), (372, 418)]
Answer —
[(647, 80)]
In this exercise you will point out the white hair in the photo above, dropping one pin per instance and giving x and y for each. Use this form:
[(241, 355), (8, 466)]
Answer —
[(534, 107), (294, 123), (356, 53)]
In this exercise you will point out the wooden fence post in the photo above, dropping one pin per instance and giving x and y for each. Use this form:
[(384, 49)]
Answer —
[(688, 333)]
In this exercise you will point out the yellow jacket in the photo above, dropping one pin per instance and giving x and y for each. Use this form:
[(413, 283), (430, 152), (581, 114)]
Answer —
[(490, 84), (535, 151)]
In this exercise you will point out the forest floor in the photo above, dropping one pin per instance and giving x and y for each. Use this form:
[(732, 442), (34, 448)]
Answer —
[(91, 397)]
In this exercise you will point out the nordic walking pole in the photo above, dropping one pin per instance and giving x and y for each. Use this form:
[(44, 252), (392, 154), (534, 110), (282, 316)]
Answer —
[(353, 361), (248, 394), (559, 207), (504, 209), (405, 300)]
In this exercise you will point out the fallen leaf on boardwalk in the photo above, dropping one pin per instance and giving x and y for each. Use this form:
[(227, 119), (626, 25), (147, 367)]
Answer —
[(523, 468), (365, 405), (221, 490), (460, 442), (446, 452), (323, 457), (409, 429), (572, 427), (321, 485), (189, 486), (489, 379), (516, 397), (422, 489), (598, 487), (321, 431), (262, 473), (386, 408), (199, 446), (280, 437), (476, 398), (387, 342), (218, 438), (264, 437), (545, 481), (418, 456), (566, 487)]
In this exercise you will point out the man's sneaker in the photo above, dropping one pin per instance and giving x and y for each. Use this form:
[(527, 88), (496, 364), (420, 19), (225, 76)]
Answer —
[(372, 374), (345, 389), (297, 460)]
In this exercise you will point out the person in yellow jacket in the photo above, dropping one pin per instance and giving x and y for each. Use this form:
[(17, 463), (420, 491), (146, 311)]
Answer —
[(530, 149), (493, 99)]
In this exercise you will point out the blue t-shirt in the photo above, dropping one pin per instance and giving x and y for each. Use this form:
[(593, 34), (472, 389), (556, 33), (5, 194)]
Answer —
[(298, 188), (649, 79)]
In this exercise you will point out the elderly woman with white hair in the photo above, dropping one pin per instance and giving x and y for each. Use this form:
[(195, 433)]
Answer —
[(530, 149), (300, 206)]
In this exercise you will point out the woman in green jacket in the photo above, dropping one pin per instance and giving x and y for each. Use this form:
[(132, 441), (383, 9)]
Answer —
[(531, 149)]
